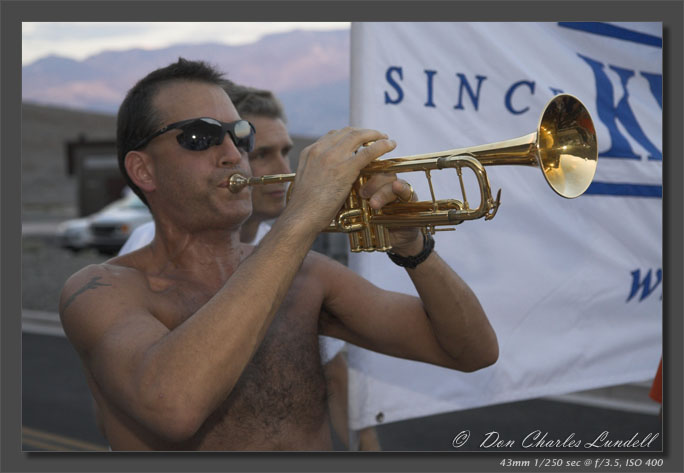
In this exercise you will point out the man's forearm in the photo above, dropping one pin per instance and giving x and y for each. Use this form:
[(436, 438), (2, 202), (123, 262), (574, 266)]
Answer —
[(459, 323)]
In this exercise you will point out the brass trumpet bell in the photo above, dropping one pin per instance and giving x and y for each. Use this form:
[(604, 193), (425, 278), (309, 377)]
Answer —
[(567, 147), (564, 147)]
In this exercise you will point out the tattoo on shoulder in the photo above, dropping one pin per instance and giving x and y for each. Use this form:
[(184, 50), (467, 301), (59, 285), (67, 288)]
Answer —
[(92, 284)]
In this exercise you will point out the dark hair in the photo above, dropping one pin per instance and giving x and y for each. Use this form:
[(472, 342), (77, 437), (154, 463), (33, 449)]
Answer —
[(137, 117), (251, 101)]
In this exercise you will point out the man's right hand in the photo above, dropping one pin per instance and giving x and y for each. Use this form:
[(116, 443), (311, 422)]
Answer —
[(329, 167)]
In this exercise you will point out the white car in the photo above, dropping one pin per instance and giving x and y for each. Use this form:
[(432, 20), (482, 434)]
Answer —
[(74, 234), (107, 229)]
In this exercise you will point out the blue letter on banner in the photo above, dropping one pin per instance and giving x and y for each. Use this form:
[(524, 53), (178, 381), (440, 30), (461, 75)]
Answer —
[(474, 97), (393, 83), (509, 94), (430, 76), (645, 284), (610, 114)]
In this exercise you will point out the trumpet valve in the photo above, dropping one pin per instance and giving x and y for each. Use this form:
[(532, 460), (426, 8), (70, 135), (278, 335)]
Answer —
[(494, 206)]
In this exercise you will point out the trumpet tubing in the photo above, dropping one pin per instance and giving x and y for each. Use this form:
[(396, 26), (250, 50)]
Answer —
[(564, 147)]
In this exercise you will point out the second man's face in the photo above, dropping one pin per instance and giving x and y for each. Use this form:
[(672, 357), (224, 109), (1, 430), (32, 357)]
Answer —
[(270, 156)]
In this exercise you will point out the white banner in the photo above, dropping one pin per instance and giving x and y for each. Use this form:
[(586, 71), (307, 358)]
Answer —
[(573, 287)]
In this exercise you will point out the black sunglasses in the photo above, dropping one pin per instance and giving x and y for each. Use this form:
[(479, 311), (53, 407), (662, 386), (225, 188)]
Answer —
[(200, 134)]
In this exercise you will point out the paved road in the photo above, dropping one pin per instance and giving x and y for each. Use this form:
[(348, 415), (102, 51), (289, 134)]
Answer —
[(57, 413)]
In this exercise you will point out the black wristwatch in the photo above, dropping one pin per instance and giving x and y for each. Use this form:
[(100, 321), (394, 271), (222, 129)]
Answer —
[(413, 261)]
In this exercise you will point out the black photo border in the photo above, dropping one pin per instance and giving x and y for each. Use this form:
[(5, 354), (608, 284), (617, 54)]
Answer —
[(13, 13)]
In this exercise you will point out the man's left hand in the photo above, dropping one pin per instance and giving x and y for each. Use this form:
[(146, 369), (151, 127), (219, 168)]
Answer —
[(382, 189)]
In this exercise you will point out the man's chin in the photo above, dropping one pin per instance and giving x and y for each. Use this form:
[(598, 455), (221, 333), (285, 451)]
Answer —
[(236, 213)]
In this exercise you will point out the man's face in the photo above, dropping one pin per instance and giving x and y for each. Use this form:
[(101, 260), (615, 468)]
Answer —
[(270, 156), (192, 185)]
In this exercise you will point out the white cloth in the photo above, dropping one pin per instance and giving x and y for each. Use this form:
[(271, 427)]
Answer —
[(144, 234), (140, 237), (572, 287)]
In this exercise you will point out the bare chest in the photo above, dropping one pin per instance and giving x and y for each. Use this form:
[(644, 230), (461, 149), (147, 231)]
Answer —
[(281, 393)]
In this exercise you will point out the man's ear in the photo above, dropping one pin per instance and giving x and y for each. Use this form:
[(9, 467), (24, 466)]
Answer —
[(140, 169)]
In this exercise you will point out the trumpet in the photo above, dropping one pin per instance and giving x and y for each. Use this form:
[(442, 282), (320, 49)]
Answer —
[(564, 147)]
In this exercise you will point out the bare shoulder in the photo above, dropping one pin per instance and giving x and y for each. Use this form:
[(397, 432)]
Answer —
[(95, 278), (96, 296)]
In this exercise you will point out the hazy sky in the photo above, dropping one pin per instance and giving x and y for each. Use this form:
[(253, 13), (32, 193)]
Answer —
[(80, 40)]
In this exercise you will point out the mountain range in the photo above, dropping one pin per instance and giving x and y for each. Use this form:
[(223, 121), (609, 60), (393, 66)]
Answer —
[(308, 70)]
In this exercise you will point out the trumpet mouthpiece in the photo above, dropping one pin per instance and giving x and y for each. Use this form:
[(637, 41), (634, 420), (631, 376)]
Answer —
[(237, 182)]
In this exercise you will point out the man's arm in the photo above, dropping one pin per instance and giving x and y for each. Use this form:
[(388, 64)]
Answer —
[(445, 326), (171, 380)]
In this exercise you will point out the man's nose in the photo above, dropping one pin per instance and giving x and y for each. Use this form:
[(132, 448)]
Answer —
[(230, 155), (284, 165)]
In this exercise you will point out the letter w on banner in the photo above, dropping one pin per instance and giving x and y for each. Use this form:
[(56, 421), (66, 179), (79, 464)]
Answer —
[(573, 287)]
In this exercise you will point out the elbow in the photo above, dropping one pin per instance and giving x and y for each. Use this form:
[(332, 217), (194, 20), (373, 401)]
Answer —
[(491, 356), (486, 355), (173, 418), (180, 426), (477, 364), (175, 425), (487, 350)]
